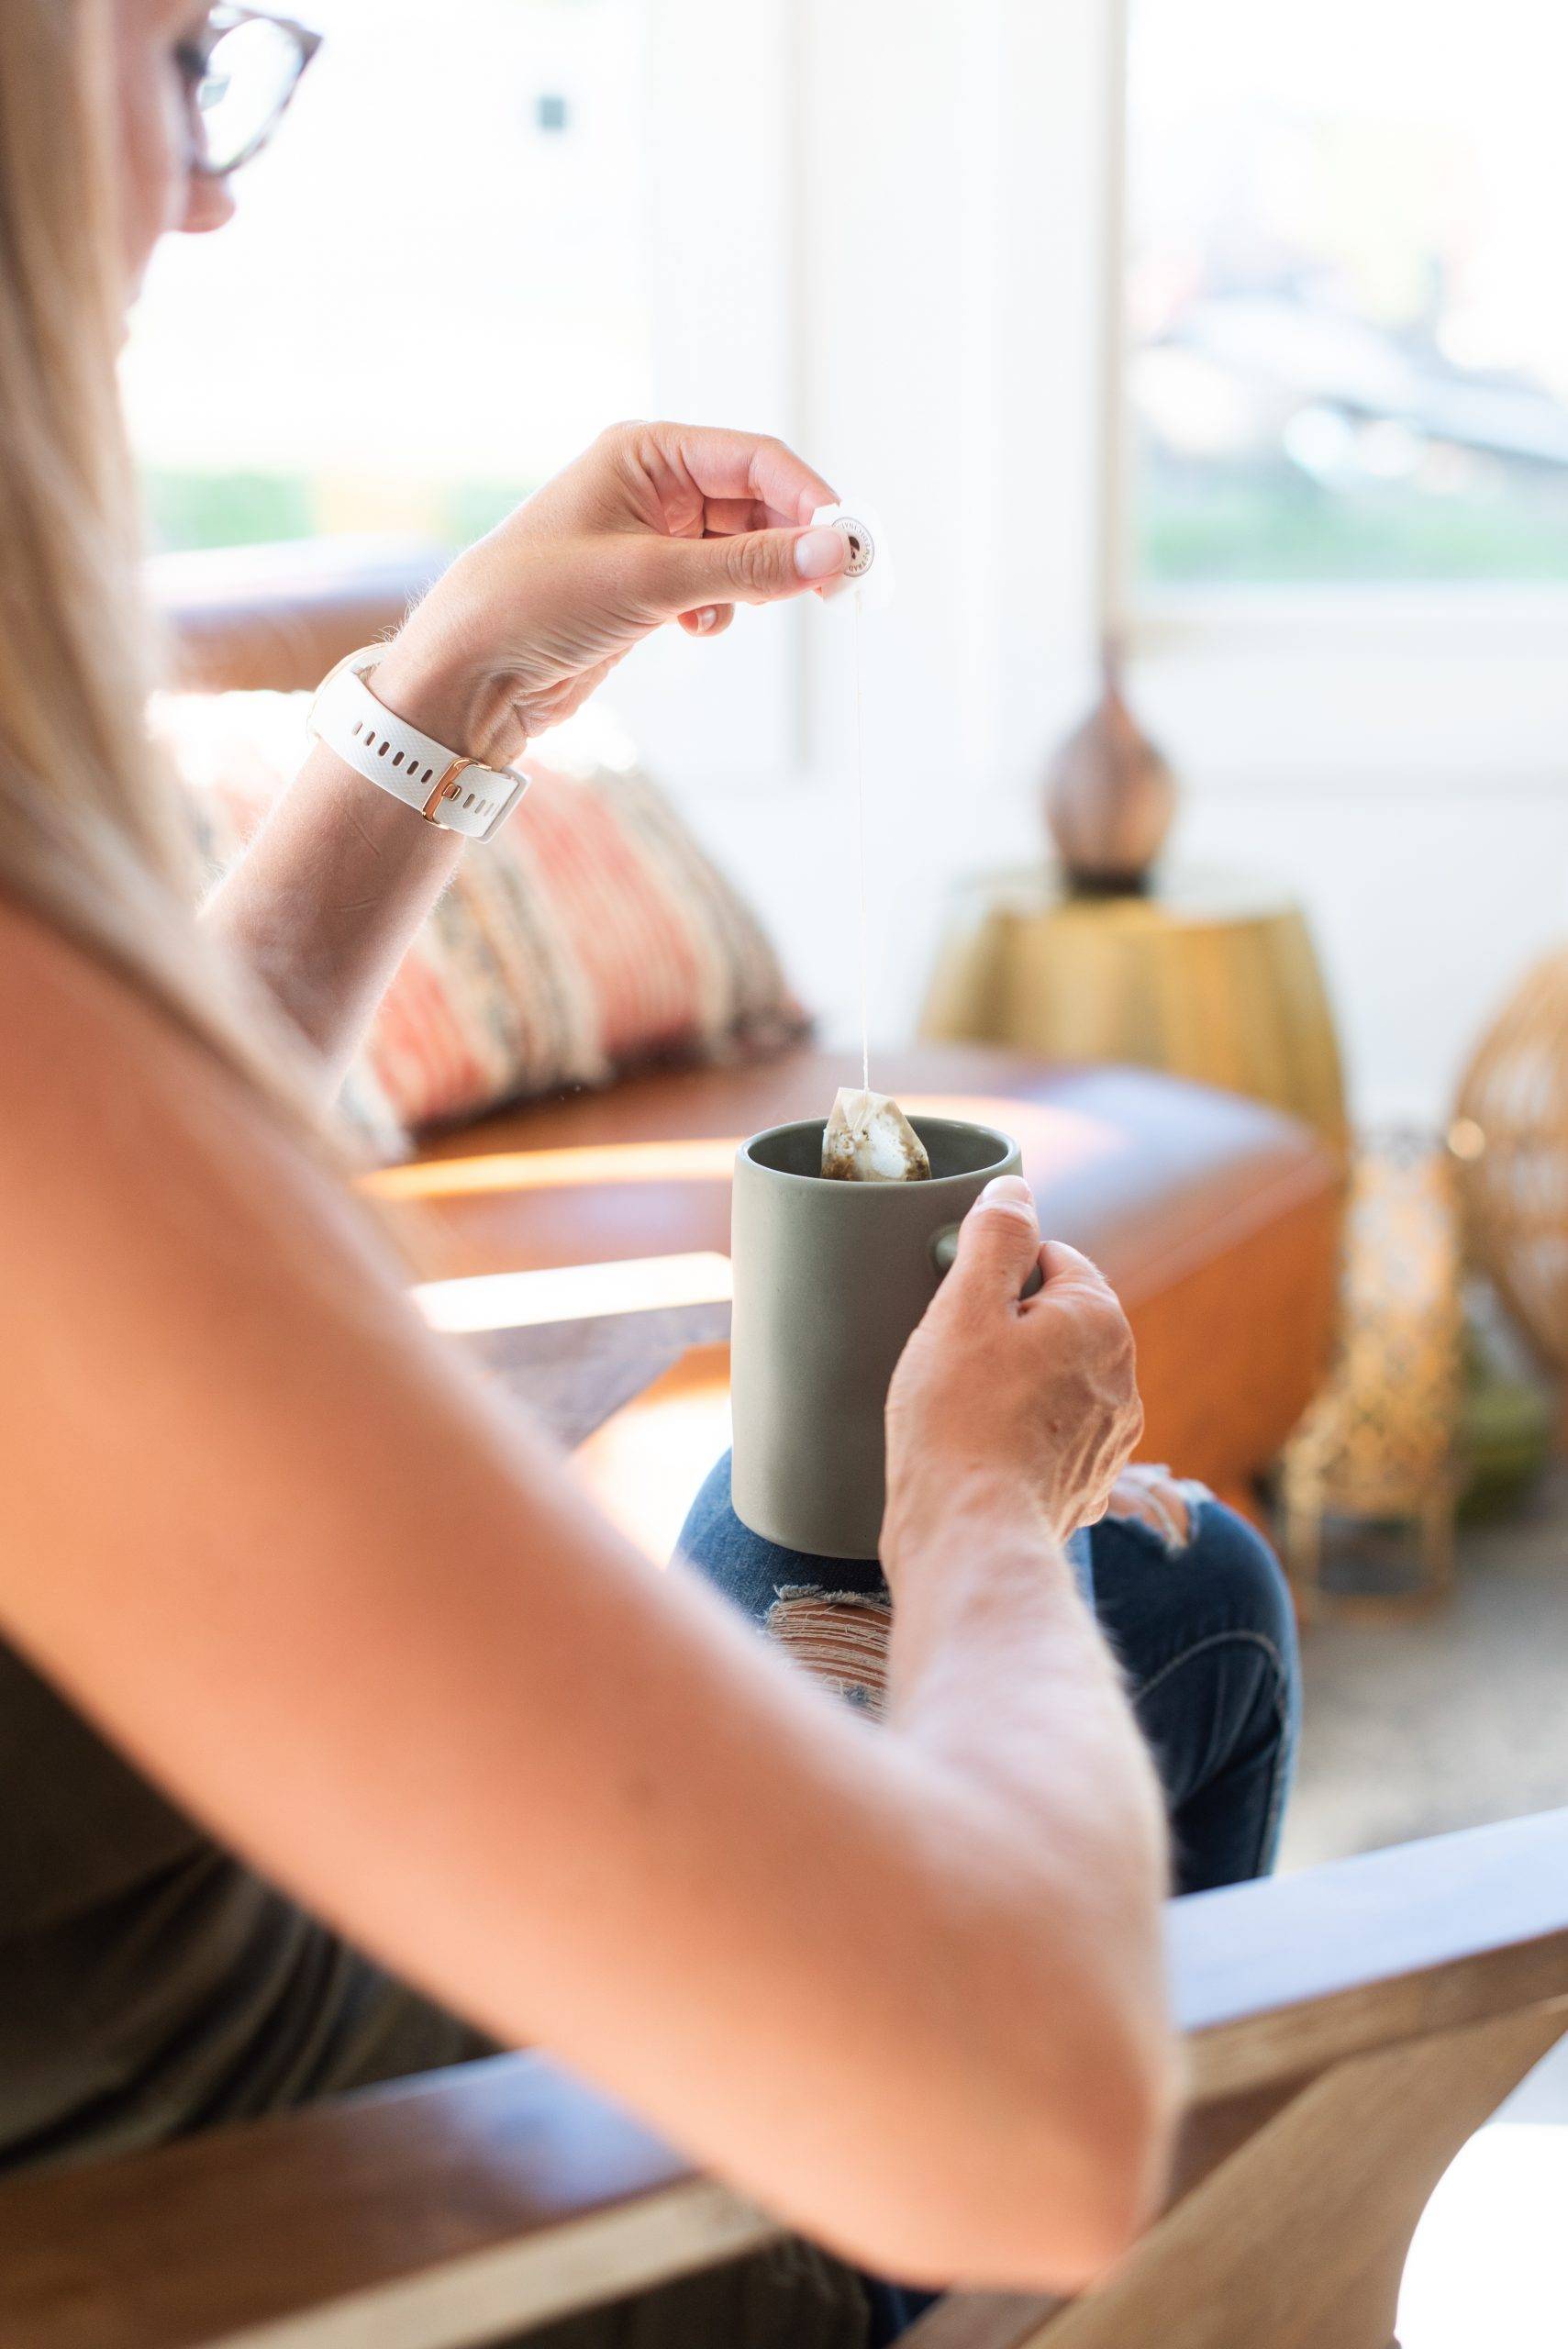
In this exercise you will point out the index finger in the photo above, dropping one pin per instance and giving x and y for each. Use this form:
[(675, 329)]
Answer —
[(1068, 1268), (753, 465)]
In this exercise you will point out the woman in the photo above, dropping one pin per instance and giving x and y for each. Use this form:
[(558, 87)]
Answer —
[(283, 1580)]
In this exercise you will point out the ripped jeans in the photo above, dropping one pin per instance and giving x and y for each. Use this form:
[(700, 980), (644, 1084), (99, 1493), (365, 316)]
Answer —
[(1189, 1596)]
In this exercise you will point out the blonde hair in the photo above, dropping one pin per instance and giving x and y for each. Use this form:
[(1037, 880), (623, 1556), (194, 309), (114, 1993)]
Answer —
[(89, 836)]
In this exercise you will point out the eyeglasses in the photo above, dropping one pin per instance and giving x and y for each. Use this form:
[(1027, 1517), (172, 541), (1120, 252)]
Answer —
[(240, 72)]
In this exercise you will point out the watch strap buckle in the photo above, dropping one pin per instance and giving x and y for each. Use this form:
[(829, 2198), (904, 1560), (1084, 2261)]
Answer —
[(409, 766)]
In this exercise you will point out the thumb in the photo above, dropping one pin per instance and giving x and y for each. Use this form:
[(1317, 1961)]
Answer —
[(998, 1241), (754, 567)]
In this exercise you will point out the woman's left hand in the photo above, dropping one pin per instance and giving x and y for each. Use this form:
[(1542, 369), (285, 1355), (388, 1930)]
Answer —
[(655, 522)]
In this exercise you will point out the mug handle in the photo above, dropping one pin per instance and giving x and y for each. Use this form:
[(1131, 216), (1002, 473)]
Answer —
[(944, 1249)]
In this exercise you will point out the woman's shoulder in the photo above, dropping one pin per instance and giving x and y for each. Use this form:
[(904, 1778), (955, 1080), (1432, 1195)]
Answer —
[(88, 1055), (90, 1087), (72, 1019), (122, 1138)]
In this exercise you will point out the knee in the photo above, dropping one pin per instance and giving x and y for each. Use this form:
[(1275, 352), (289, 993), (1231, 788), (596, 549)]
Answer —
[(1240, 1575), (756, 1573), (839, 1637), (717, 1546), (711, 1518), (1175, 1570)]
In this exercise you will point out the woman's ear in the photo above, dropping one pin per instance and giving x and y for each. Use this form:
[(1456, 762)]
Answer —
[(209, 204)]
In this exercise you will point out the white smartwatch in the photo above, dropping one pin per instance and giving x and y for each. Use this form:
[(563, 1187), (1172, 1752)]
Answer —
[(447, 789)]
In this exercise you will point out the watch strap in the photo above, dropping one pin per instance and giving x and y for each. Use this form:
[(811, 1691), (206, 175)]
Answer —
[(456, 793)]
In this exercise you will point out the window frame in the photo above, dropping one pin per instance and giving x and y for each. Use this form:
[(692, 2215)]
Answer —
[(1480, 640)]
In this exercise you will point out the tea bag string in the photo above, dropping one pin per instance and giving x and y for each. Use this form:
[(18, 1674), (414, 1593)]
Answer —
[(860, 851)]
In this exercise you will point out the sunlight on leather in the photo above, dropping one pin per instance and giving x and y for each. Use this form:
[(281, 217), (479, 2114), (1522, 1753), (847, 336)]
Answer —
[(1063, 1138), (1046, 1135), (573, 1293), (557, 1170)]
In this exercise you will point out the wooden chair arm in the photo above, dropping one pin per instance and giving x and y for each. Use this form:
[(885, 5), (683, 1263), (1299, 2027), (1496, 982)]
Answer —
[(443, 2212), (1276, 1980), (427, 2215)]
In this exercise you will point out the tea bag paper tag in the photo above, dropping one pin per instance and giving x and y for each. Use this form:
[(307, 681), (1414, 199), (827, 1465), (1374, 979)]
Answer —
[(869, 1140), (865, 584)]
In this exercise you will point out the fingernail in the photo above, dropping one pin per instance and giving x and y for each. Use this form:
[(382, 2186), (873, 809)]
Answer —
[(819, 554), (1008, 1191), (706, 620)]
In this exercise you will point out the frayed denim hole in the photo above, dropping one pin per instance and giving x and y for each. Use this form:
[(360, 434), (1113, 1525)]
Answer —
[(1171, 1511), (839, 1637)]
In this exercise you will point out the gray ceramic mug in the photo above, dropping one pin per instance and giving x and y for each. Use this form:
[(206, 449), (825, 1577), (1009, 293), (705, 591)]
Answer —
[(830, 1279)]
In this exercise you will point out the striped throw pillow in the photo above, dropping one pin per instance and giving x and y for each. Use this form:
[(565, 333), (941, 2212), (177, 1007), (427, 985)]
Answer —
[(594, 935)]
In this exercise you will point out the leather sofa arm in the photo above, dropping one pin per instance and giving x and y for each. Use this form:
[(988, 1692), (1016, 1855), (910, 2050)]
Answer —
[(278, 618)]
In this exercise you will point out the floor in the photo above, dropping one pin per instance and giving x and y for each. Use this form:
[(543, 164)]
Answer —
[(1411, 1732)]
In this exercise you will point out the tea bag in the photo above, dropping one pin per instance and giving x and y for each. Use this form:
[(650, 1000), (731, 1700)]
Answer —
[(869, 1140)]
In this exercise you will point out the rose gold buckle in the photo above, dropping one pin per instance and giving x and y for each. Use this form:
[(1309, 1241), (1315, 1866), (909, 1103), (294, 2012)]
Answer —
[(446, 789)]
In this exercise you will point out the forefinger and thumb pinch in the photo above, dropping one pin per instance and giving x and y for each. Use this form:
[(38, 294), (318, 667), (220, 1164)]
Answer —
[(865, 582), (819, 554)]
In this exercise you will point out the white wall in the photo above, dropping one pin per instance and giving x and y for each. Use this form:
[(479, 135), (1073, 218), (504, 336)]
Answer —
[(917, 297), (1406, 765), (1426, 910), (930, 150)]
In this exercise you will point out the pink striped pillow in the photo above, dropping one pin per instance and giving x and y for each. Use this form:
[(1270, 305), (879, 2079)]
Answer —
[(595, 934)]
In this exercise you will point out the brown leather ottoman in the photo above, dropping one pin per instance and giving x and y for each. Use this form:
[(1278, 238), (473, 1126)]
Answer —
[(1216, 1220)]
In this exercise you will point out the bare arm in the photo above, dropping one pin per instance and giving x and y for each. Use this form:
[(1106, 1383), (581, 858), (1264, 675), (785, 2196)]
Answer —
[(1008, 1426), (657, 522), (330, 895), (902, 1985)]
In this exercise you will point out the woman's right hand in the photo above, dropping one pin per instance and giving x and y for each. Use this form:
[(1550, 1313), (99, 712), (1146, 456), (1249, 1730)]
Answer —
[(654, 523), (1025, 1406)]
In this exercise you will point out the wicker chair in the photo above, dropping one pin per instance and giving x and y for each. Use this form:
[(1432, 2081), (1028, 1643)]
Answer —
[(1510, 1142)]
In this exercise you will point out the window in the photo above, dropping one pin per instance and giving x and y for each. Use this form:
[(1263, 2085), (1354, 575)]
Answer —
[(1349, 311), (435, 291)]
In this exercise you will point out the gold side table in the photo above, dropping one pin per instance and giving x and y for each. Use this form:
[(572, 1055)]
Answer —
[(1211, 977)]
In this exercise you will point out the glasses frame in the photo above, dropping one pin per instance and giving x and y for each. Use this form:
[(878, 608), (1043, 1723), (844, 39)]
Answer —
[(227, 19)]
